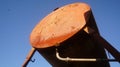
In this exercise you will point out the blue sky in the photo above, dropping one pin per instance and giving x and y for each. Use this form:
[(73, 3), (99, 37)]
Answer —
[(18, 18)]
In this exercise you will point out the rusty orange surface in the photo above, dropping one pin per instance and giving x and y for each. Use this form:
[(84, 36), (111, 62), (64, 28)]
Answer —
[(59, 25)]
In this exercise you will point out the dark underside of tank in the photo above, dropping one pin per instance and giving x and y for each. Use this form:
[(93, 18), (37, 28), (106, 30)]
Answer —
[(81, 45)]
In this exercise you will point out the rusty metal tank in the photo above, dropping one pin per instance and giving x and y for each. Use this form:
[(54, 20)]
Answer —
[(65, 30)]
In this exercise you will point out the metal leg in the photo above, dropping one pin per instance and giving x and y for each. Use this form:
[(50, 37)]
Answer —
[(105, 44), (29, 56)]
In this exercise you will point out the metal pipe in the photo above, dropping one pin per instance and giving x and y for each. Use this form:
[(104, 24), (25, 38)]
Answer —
[(82, 59)]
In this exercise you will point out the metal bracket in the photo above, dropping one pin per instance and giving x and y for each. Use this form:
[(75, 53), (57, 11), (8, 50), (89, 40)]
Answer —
[(32, 60)]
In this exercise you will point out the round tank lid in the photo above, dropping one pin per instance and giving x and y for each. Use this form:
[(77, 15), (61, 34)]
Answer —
[(59, 25)]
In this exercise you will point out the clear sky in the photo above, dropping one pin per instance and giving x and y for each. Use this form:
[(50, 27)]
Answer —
[(18, 18)]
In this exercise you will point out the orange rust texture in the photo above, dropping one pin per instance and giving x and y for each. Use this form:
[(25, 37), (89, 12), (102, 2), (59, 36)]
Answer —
[(59, 25)]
